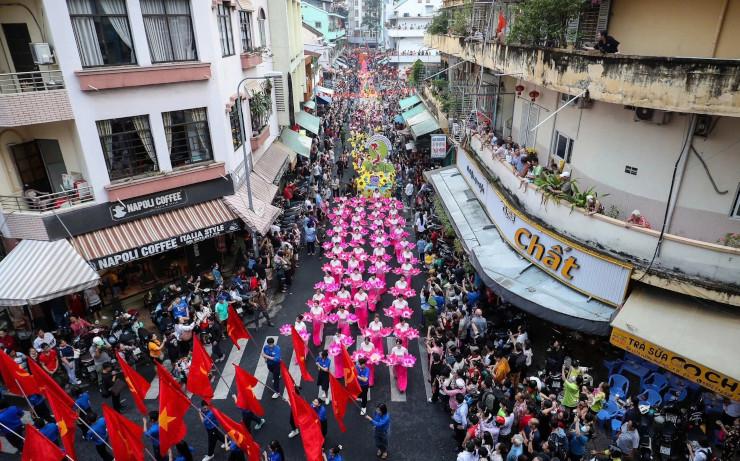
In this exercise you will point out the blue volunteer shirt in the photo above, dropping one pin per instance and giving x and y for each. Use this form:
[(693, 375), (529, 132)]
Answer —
[(320, 411), (83, 401), (364, 373), (209, 420), (153, 434), (180, 310), (325, 363), (381, 422), (98, 432), (51, 432), (11, 417), (274, 352)]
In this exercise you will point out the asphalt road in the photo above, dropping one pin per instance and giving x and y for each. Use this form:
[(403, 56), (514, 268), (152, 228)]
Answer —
[(418, 429)]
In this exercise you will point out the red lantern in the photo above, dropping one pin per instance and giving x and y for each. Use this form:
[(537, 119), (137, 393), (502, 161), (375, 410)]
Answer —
[(534, 94), (519, 89)]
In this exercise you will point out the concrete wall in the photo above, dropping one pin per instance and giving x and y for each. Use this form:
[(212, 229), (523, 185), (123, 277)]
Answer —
[(677, 27), (607, 138), (13, 13)]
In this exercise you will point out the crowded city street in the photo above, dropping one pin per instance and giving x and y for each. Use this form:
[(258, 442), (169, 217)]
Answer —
[(389, 293)]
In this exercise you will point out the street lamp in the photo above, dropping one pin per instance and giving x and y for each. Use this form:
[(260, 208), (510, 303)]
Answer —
[(246, 162)]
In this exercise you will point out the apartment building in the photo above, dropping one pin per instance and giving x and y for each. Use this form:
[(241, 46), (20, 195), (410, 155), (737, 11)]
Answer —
[(652, 128), (405, 24), (124, 124)]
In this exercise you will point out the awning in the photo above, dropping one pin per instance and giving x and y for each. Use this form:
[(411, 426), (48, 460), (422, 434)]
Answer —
[(260, 218), (297, 142), (409, 102), (308, 121), (427, 126), (246, 5), (36, 271), (416, 110), (421, 117), (262, 189), (323, 99), (504, 271), (322, 89), (309, 105), (697, 340), (273, 163), (398, 119), (156, 234)]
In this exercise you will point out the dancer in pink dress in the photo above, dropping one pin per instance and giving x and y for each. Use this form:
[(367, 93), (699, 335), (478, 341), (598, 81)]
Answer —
[(366, 347), (343, 320), (375, 288), (361, 307), (399, 304), (355, 281), (399, 370), (318, 318), (375, 327)]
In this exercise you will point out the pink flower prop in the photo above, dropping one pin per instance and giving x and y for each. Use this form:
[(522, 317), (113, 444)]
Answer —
[(406, 312), (327, 245), (285, 330), (410, 333), (352, 318), (375, 358), (334, 349), (307, 317), (332, 318), (405, 292), (357, 355), (408, 361)]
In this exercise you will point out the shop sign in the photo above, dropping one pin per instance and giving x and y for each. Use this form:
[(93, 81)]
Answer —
[(122, 210), (706, 377), (439, 146), (162, 246), (584, 270)]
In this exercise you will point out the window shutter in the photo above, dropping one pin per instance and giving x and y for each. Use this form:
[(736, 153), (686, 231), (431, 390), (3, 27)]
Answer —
[(281, 98), (603, 22)]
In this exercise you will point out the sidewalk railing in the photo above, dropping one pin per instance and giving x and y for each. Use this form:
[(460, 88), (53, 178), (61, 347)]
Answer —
[(46, 202)]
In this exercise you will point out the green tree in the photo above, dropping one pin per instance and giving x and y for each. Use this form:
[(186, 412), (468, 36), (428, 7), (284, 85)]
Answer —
[(439, 24), (417, 72), (544, 22)]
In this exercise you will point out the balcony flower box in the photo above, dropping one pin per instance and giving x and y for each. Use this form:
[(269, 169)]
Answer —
[(251, 59), (259, 138)]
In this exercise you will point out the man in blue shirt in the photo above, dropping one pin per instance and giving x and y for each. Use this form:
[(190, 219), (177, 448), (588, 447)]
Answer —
[(363, 376), (209, 422), (10, 417), (320, 410), (460, 419), (99, 435), (382, 423), (51, 432), (152, 432), (271, 354), (421, 246)]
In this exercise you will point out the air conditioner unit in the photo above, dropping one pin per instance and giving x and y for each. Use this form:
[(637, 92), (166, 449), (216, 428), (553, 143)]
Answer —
[(42, 54), (658, 117)]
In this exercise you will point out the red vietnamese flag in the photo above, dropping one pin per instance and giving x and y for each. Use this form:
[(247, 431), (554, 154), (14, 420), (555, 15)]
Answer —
[(16, 379), (137, 384), (199, 382), (235, 327), (125, 436), (300, 353), (173, 405), (245, 398), (350, 374), (340, 396), (39, 448), (501, 23), (61, 405), (239, 434), (305, 419)]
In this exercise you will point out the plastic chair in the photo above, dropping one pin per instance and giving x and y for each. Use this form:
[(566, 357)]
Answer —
[(616, 422), (651, 398), (618, 387), (676, 394), (655, 381), (609, 411), (613, 366)]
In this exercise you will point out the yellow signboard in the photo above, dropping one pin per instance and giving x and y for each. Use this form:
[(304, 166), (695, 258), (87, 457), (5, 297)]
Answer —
[(696, 372)]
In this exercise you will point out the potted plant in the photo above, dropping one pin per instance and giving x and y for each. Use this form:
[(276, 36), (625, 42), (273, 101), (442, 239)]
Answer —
[(260, 109), (251, 58)]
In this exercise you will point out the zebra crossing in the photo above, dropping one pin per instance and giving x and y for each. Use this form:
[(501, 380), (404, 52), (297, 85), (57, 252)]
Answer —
[(224, 382)]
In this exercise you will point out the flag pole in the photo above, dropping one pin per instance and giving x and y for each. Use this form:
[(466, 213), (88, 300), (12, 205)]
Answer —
[(24, 439), (33, 410)]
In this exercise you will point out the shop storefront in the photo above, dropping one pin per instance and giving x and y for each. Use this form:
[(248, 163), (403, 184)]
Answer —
[(525, 264), (695, 340)]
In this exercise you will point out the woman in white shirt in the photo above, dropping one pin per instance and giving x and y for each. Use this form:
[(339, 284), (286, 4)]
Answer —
[(367, 347), (300, 327), (374, 327), (361, 307), (317, 312)]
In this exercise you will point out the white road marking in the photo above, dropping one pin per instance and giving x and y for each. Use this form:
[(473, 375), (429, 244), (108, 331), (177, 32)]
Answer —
[(396, 395), (153, 391), (424, 358), (228, 373), (295, 373), (262, 372)]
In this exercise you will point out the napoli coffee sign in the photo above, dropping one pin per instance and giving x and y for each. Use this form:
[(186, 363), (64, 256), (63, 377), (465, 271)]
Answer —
[(123, 210)]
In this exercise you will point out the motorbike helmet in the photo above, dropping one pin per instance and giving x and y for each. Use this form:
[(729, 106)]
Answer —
[(98, 341)]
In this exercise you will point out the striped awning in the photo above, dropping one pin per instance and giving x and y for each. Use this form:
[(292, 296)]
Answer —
[(409, 102), (36, 271), (153, 229), (262, 189), (273, 163), (296, 142), (260, 218), (308, 121)]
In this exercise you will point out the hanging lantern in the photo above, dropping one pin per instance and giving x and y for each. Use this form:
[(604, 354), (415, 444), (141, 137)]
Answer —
[(534, 94), (519, 89)]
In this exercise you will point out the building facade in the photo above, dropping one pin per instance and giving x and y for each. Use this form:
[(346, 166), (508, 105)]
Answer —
[(331, 25), (651, 128), (403, 34), (121, 112)]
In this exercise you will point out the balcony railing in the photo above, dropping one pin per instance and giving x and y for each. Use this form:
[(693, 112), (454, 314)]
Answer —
[(40, 202), (26, 82)]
